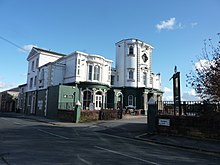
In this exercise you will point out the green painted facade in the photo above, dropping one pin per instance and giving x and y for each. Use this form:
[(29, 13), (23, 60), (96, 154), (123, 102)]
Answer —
[(68, 96), (41, 103), (118, 95), (61, 97)]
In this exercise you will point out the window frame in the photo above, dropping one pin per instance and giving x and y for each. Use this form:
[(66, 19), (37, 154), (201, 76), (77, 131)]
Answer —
[(90, 68), (96, 73), (131, 50), (131, 74), (130, 100)]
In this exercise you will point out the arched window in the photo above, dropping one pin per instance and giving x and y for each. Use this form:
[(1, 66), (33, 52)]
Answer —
[(130, 100), (131, 50), (96, 73), (87, 99)]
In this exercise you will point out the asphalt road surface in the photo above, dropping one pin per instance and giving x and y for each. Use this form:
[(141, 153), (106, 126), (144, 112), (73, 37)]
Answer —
[(29, 142)]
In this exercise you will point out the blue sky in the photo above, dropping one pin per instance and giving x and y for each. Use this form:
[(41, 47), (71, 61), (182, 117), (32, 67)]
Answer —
[(176, 30)]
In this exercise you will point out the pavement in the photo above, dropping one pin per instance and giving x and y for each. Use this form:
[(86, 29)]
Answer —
[(134, 131)]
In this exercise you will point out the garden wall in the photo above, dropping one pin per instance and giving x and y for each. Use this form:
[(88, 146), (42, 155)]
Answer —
[(203, 126)]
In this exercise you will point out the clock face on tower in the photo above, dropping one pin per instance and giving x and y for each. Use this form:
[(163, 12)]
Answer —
[(144, 57)]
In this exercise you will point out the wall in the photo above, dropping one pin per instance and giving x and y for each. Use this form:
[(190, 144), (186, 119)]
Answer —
[(68, 94), (135, 62), (52, 104), (70, 72), (202, 127)]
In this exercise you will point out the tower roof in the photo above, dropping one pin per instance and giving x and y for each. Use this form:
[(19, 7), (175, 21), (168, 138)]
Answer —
[(133, 39)]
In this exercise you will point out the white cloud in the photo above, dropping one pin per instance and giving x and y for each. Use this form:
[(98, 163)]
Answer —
[(167, 98), (27, 48), (186, 96), (168, 24), (193, 24), (180, 26), (190, 96), (167, 90), (201, 64), (5, 85)]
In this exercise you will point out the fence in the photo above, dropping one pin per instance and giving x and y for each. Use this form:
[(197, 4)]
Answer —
[(188, 108), (200, 119)]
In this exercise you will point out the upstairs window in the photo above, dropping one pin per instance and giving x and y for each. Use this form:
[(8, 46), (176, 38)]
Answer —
[(112, 80), (32, 65), (31, 83), (90, 72), (37, 61), (35, 81), (130, 74), (131, 50), (41, 74), (97, 72)]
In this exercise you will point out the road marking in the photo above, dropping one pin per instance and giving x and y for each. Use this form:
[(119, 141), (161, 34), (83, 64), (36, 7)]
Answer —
[(139, 136), (17, 123), (127, 138), (83, 160), (4, 118), (60, 136), (75, 132), (129, 156)]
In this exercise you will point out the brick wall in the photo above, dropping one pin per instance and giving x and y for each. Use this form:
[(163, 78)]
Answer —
[(203, 126)]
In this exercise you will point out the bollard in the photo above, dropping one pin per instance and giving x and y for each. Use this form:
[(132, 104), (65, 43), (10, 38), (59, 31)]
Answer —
[(151, 114), (77, 112)]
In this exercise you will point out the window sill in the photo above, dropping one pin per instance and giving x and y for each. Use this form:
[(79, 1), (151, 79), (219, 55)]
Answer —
[(131, 80), (132, 55)]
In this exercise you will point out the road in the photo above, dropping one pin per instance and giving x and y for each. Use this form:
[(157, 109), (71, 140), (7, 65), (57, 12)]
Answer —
[(29, 142)]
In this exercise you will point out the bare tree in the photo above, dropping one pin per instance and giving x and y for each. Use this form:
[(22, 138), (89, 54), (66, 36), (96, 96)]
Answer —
[(205, 78)]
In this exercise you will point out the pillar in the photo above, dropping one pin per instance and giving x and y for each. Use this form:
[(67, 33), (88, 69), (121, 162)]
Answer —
[(77, 112), (145, 103), (151, 115)]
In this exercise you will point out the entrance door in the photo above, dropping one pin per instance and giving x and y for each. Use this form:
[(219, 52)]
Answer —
[(98, 102)]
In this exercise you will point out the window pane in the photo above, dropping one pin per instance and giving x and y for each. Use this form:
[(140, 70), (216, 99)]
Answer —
[(130, 100), (131, 74), (32, 65), (96, 72), (90, 72), (131, 50)]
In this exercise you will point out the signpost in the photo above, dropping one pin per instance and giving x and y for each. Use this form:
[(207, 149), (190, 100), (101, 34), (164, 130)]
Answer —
[(176, 92)]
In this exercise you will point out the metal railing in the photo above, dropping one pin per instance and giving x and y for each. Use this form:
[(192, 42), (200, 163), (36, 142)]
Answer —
[(188, 108)]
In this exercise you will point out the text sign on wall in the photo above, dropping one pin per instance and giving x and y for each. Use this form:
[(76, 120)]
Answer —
[(164, 122)]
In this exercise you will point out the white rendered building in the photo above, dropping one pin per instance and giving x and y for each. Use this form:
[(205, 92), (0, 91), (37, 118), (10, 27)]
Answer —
[(56, 80), (132, 77), (89, 73)]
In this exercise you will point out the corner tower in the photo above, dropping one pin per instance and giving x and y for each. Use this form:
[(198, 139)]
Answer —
[(133, 76)]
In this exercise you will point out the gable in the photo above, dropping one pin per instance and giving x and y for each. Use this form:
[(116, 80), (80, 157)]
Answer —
[(32, 53)]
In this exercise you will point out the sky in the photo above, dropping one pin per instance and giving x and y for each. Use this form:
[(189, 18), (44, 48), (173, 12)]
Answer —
[(176, 30)]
